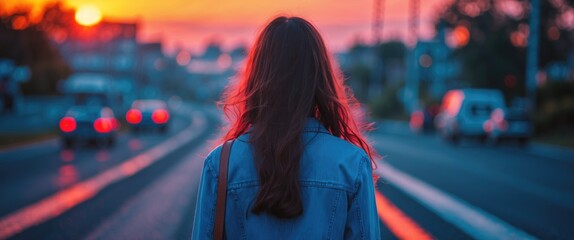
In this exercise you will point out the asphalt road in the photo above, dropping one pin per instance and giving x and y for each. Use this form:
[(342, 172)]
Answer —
[(530, 189), (37, 177), (145, 187)]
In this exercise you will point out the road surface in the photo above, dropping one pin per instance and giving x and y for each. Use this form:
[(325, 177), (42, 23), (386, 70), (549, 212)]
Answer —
[(145, 187)]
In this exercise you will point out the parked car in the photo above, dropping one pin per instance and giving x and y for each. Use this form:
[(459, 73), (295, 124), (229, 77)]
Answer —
[(513, 124), (148, 114), (88, 123), (463, 112)]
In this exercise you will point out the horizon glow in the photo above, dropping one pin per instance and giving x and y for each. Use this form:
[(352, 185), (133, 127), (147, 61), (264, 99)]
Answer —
[(190, 25)]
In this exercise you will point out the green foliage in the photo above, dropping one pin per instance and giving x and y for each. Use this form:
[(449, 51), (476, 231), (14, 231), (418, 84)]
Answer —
[(360, 69), (491, 55), (31, 46), (496, 50), (360, 74), (555, 108), (392, 50), (388, 104)]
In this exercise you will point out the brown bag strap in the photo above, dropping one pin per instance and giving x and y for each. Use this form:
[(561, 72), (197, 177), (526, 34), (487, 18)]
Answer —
[(222, 191)]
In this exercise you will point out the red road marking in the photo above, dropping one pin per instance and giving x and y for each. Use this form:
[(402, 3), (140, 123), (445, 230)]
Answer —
[(400, 224)]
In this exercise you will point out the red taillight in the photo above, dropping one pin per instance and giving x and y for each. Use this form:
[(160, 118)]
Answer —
[(417, 119), (68, 124), (115, 124), (487, 126), (134, 116), (160, 116), (503, 125), (498, 117), (103, 125)]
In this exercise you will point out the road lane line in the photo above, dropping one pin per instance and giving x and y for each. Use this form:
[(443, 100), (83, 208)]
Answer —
[(399, 223), (524, 184), (160, 208), (472, 220), (68, 198)]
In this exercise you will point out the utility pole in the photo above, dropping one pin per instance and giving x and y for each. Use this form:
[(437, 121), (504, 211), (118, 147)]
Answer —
[(412, 84), (378, 20), (532, 54), (414, 20), (377, 63)]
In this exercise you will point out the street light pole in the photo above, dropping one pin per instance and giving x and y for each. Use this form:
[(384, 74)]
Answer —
[(377, 24), (532, 54), (377, 62), (412, 84)]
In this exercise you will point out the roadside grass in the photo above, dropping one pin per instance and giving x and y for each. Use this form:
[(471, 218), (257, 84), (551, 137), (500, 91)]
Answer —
[(10, 140), (565, 139)]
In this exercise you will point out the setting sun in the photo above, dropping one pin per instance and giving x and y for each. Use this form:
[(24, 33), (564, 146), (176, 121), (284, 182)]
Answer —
[(88, 15)]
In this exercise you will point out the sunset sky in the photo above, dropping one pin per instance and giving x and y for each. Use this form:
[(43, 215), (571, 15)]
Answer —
[(189, 24)]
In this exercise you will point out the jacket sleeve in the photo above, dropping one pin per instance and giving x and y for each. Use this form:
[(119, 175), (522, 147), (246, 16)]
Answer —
[(362, 220), (204, 219)]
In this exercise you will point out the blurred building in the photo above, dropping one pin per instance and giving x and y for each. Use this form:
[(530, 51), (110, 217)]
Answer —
[(431, 71), (559, 70), (358, 63), (153, 69), (105, 54), (212, 70), (108, 49)]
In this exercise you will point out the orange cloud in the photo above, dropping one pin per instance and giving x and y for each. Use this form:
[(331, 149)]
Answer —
[(184, 23)]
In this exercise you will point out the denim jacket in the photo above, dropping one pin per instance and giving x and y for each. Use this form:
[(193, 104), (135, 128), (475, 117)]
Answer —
[(336, 190)]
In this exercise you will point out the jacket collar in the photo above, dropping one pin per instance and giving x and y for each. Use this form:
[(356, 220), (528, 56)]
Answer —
[(312, 125)]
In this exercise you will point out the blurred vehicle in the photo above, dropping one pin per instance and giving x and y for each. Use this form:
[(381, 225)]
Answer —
[(148, 114), (513, 124), (422, 121), (97, 89), (463, 112), (89, 123)]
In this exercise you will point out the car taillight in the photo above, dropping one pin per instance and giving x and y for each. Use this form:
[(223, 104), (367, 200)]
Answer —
[(68, 124), (134, 116), (487, 126), (160, 116), (115, 124), (503, 125), (417, 119), (103, 125)]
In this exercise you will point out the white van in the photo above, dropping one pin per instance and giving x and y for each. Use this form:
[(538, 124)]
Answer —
[(463, 113)]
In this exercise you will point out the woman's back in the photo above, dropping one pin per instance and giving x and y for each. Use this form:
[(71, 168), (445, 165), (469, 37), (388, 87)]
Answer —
[(336, 192), (300, 167)]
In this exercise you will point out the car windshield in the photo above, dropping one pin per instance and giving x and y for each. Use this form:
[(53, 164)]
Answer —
[(91, 99), (480, 109), (149, 104), (84, 112)]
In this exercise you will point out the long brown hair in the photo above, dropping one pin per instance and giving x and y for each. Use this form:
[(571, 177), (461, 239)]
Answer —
[(288, 78)]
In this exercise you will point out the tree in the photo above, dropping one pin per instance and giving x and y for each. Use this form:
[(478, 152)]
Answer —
[(392, 55), (490, 37), (26, 43)]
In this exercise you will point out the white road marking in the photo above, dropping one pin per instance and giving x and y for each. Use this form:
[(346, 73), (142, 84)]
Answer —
[(472, 220), (68, 198), (159, 209)]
